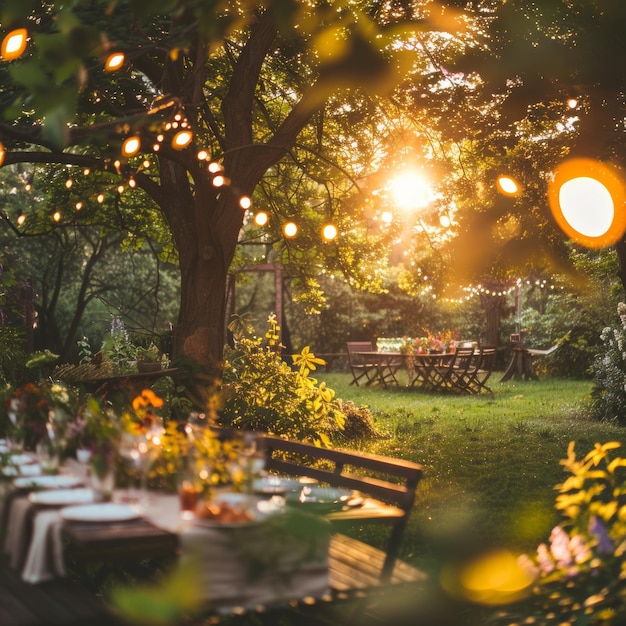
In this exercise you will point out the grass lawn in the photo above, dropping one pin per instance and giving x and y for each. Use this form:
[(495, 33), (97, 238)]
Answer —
[(490, 462)]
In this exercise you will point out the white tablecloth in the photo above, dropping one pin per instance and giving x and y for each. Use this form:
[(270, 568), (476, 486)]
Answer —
[(257, 564)]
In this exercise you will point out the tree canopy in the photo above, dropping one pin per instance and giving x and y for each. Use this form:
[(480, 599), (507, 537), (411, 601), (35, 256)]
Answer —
[(286, 105)]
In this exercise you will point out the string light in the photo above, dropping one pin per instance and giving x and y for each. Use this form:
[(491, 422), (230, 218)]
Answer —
[(79, 205), (219, 181), (21, 218), (245, 202), (14, 44), (2, 154), (508, 186), (100, 198), (214, 167), (132, 183), (56, 216), (68, 183), (329, 232), (114, 61), (290, 229), (182, 139), (203, 155), (261, 218), (131, 146)]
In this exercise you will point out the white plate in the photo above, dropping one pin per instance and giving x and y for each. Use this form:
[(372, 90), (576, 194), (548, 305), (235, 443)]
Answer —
[(106, 512), (61, 481), (31, 469), (275, 485), (21, 459), (61, 497), (320, 498)]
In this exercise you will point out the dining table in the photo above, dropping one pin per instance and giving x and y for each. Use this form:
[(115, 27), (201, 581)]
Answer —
[(387, 364), (51, 524)]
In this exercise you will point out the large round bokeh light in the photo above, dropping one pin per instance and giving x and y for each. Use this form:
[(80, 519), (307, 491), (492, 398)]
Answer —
[(587, 199)]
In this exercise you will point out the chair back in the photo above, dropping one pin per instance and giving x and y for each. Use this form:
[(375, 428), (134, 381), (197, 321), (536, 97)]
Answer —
[(358, 346)]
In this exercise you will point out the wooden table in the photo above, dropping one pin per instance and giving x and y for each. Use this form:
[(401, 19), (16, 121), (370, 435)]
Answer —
[(387, 364), (128, 546)]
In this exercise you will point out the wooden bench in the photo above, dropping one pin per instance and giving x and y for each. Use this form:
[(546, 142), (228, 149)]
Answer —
[(392, 481)]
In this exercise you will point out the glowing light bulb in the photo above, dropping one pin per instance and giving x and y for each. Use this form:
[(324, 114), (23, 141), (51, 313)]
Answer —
[(79, 206), (261, 218), (131, 146), (182, 139), (56, 216), (290, 229), (132, 183), (508, 186), (2, 154), (21, 218), (214, 167), (218, 181), (68, 183), (14, 44), (100, 198), (245, 202), (114, 61), (203, 155), (329, 232)]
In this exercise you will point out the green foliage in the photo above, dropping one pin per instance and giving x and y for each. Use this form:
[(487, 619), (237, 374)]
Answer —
[(359, 422), (609, 368), (12, 355), (262, 392), (579, 575)]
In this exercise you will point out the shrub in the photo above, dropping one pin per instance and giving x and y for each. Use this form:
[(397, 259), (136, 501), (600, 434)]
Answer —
[(579, 576), (359, 422), (609, 368), (262, 392)]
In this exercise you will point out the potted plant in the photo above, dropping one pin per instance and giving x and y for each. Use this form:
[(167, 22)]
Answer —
[(149, 359)]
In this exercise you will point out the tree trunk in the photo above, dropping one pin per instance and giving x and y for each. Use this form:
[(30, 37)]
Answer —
[(493, 306)]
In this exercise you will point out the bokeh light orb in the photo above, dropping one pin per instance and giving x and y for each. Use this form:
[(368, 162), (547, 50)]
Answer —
[(261, 218), (329, 232), (14, 44), (290, 229), (508, 186), (587, 199)]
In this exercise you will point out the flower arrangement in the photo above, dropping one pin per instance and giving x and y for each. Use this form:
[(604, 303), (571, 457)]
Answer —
[(579, 574), (429, 342), (40, 412)]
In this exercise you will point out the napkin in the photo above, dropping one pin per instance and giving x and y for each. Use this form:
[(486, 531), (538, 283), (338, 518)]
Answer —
[(18, 531), (44, 559)]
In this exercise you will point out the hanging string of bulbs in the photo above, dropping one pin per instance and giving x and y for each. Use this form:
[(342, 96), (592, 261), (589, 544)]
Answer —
[(14, 44)]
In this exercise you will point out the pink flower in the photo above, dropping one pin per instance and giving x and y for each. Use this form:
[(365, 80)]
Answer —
[(559, 546)]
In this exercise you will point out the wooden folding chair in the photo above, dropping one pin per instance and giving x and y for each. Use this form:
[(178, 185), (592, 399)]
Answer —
[(480, 372), (361, 367)]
